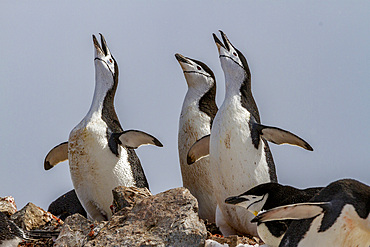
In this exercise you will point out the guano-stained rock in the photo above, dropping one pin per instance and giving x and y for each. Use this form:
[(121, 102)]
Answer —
[(166, 219), (31, 217)]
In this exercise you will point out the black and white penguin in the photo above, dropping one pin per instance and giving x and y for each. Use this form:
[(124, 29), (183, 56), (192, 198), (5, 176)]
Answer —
[(337, 216), (11, 235), (267, 196), (100, 153), (66, 205), (239, 154), (197, 114)]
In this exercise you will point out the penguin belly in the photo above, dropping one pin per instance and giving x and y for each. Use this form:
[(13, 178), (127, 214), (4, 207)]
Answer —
[(348, 230), (236, 164), (95, 170), (196, 177)]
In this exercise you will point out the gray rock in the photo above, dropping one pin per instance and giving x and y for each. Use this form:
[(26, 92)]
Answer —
[(31, 217), (166, 219), (76, 231), (125, 197)]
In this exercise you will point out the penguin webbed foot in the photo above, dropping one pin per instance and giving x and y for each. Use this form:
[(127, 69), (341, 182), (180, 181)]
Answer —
[(56, 155), (278, 136), (131, 139), (198, 150)]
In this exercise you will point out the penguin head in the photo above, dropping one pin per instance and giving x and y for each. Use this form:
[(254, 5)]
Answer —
[(105, 65), (254, 203), (198, 75), (233, 62)]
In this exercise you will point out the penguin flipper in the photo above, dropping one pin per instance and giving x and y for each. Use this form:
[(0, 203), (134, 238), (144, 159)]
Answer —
[(280, 136), (296, 211), (199, 150), (133, 139), (56, 155)]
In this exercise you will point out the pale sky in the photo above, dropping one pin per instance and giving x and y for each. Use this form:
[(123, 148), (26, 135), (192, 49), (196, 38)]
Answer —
[(310, 64)]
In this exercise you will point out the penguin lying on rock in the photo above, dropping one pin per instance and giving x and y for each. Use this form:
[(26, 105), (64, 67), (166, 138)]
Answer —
[(267, 196), (12, 235), (337, 216)]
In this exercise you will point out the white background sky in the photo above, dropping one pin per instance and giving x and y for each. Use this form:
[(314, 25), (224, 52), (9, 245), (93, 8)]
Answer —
[(310, 64)]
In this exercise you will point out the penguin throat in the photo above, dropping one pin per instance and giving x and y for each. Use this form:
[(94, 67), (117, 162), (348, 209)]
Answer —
[(103, 103)]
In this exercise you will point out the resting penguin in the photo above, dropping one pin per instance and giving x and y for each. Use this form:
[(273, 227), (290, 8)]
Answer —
[(239, 155), (100, 153), (198, 111), (270, 195), (66, 205), (337, 216), (12, 235)]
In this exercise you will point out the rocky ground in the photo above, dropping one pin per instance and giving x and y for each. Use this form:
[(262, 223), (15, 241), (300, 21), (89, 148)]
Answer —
[(169, 218)]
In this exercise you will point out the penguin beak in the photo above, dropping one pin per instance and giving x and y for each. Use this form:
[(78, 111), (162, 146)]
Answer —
[(186, 63), (103, 50), (181, 59), (235, 200), (226, 43), (98, 50), (218, 43), (104, 45)]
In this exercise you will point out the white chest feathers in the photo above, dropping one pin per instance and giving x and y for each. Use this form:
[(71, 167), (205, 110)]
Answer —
[(236, 164), (95, 170), (348, 230), (193, 125)]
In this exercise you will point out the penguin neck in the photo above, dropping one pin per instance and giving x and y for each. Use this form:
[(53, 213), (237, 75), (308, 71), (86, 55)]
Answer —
[(239, 84), (103, 101), (233, 82), (195, 94)]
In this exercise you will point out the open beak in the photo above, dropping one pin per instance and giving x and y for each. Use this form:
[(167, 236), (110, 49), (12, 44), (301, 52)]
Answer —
[(226, 43), (102, 50)]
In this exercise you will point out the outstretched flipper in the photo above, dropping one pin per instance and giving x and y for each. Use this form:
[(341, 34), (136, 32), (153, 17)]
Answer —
[(56, 155), (131, 139), (277, 136), (297, 211), (198, 150)]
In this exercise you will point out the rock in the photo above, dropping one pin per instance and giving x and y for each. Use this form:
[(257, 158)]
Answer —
[(125, 197), (66, 205), (31, 217), (233, 240), (166, 219), (7, 205), (76, 231)]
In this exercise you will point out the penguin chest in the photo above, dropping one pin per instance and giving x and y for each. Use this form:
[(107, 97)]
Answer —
[(348, 230), (193, 125), (238, 165), (94, 169)]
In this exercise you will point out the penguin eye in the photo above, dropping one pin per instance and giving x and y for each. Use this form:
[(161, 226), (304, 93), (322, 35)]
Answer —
[(199, 68), (110, 60), (235, 54)]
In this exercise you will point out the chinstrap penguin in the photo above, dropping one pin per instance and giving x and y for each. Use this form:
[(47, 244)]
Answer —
[(11, 235), (267, 196), (197, 114), (100, 153), (66, 205), (337, 216), (239, 154)]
